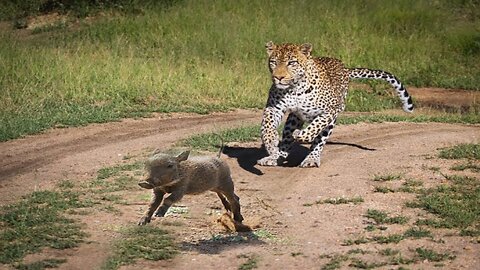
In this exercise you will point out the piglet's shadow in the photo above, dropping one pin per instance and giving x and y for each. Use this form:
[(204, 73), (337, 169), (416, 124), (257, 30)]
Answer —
[(247, 156), (217, 244)]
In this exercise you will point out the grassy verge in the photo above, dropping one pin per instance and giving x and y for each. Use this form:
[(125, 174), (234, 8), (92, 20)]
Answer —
[(39, 221), (168, 56)]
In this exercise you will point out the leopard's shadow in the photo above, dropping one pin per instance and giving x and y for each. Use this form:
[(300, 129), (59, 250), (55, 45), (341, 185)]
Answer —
[(247, 156)]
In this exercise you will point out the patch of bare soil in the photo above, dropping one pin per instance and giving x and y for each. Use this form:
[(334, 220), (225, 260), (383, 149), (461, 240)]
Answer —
[(449, 99), (291, 231)]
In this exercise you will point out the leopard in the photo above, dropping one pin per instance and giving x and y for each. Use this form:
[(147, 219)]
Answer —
[(310, 91)]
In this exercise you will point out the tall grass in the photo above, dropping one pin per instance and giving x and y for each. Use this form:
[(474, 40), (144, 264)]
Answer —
[(200, 56)]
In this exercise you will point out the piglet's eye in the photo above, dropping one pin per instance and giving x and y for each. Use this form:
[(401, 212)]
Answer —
[(170, 166)]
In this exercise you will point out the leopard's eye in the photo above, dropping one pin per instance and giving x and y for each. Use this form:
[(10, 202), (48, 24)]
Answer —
[(273, 62), (292, 62)]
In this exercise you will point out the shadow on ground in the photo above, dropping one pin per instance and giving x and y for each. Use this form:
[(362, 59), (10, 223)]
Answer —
[(217, 244), (247, 156)]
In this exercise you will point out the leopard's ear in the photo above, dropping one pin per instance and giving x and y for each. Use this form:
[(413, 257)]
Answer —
[(306, 49), (270, 47)]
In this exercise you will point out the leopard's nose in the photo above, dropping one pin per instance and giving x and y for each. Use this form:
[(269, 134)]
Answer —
[(280, 78)]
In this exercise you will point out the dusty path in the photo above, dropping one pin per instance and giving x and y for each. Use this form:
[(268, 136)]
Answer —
[(290, 234)]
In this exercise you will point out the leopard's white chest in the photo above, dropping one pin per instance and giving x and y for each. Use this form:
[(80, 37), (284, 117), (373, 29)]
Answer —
[(303, 106)]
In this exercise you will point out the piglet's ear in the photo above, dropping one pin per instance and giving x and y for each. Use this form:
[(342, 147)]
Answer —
[(145, 184), (183, 156)]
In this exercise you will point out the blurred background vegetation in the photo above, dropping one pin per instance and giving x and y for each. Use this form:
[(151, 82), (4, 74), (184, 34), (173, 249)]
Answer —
[(66, 62)]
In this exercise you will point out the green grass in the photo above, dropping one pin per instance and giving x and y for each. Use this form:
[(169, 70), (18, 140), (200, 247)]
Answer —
[(388, 252), (339, 200), (141, 242), (387, 177), (417, 232), (467, 118), (335, 262), (38, 221), (387, 239), (358, 241), (251, 263), (40, 265), (457, 204), (466, 166), (107, 172), (360, 264), (469, 151), (381, 217), (199, 56), (213, 141), (433, 256)]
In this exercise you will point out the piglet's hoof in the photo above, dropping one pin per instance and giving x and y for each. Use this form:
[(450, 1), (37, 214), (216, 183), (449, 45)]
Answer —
[(144, 220)]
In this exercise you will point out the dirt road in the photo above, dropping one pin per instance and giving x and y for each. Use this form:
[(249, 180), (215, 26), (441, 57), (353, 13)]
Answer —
[(291, 230)]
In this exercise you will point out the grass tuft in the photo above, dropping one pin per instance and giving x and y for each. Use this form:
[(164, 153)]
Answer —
[(469, 151), (466, 166), (381, 217), (141, 242), (387, 177), (433, 256), (417, 232), (251, 263)]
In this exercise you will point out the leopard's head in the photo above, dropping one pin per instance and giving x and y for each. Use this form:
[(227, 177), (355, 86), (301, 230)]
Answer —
[(287, 62)]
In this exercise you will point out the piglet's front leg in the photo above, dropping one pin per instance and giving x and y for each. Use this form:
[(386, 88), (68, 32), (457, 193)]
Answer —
[(171, 199), (157, 198)]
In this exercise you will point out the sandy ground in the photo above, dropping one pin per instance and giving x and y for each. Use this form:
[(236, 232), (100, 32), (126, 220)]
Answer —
[(289, 232)]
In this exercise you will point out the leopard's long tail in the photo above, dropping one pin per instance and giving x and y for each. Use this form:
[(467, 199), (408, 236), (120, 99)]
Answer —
[(365, 73)]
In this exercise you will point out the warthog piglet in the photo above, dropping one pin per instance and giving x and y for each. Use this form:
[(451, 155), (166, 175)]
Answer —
[(178, 175)]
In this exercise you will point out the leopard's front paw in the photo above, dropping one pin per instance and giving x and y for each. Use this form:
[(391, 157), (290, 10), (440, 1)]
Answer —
[(310, 162), (268, 161)]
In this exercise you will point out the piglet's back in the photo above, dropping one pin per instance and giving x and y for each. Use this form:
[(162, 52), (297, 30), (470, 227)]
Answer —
[(204, 173)]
